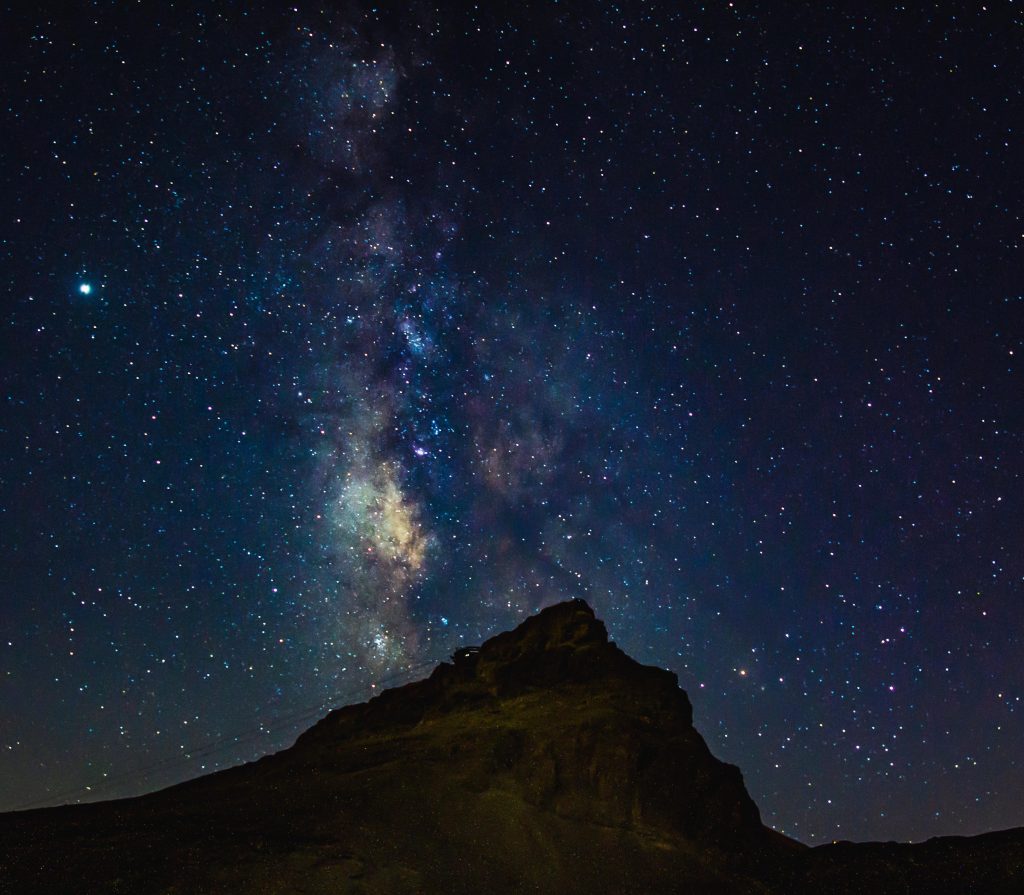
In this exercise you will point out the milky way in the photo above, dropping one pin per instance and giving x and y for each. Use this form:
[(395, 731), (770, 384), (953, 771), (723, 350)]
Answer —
[(439, 413), (336, 341)]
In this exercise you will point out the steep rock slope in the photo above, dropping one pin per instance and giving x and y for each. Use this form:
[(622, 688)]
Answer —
[(545, 761)]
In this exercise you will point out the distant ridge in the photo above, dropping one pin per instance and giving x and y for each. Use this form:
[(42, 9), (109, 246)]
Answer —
[(545, 761)]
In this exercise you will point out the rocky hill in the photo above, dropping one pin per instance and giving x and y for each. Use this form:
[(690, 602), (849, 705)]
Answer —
[(545, 761)]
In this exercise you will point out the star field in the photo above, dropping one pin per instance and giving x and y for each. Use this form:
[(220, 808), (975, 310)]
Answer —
[(337, 339)]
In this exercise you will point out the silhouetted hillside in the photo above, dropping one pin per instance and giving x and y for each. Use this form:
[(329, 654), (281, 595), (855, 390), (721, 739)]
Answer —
[(546, 761)]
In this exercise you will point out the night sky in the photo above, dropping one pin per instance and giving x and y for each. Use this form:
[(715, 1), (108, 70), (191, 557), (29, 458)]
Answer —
[(333, 340)]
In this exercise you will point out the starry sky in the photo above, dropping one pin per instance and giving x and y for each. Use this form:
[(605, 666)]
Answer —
[(334, 339)]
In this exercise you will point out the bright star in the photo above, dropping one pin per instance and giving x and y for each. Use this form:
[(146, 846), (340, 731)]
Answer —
[(85, 288)]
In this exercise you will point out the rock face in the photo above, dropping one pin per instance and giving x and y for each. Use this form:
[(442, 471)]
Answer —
[(568, 722), (545, 761)]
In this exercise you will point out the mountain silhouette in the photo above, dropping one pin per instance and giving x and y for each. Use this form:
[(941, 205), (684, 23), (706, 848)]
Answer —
[(546, 760)]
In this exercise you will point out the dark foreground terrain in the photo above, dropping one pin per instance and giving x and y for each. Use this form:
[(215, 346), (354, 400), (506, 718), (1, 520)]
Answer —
[(549, 761)]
